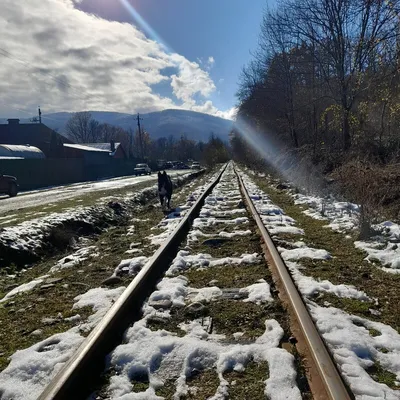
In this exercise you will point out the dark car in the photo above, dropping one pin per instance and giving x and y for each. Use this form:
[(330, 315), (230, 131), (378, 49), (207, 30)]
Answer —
[(180, 165), (8, 185)]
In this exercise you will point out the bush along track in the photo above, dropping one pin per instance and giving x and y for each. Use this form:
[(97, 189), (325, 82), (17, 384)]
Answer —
[(214, 327), (353, 303), (61, 300), (31, 240)]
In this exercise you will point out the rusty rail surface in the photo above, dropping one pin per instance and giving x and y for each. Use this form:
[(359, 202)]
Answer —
[(77, 376), (330, 377)]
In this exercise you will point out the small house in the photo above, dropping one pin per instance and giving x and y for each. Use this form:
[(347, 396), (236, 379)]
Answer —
[(115, 149), (33, 134)]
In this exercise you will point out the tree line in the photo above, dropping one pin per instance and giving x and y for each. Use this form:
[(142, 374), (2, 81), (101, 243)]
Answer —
[(82, 128), (325, 79)]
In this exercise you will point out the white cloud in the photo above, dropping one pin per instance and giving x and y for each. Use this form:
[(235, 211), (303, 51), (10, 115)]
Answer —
[(57, 56), (209, 108), (190, 80), (211, 61)]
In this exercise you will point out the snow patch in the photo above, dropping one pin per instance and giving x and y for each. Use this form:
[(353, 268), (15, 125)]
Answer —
[(26, 287), (304, 252), (258, 292), (75, 259)]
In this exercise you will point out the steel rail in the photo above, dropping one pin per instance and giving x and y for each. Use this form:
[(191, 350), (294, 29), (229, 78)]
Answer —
[(330, 377), (77, 376)]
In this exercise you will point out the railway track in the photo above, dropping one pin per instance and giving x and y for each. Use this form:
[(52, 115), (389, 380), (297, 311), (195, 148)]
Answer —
[(219, 324)]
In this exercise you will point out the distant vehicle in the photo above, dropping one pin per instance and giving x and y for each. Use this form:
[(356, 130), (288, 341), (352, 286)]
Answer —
[(168, 165), (160, 164), (142, 169), (8, 185), (180, 165), (195, 165)]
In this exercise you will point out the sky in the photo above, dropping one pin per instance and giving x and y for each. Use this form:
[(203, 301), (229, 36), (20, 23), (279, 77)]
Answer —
[(124, 55)]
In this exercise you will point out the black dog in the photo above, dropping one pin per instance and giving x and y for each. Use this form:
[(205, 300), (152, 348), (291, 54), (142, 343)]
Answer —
[(164, 188)]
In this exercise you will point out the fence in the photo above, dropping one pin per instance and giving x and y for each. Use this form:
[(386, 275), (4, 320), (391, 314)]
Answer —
[(37, 173)]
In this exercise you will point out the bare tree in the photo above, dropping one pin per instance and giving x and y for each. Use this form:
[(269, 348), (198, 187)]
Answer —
[(348, 34), (141, 144), (82, 128)]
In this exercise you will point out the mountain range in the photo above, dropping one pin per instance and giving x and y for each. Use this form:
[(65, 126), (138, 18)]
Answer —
[(196, 126)]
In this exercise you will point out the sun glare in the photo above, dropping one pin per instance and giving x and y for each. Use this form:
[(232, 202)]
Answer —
[(148, 30), (268, 150)]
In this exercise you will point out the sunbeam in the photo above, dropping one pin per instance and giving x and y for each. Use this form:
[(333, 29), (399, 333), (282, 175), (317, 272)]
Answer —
[(290, 167), (148, 30)]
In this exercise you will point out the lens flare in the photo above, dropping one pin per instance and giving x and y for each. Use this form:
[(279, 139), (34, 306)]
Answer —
[(295, 170), (148, 30), (257, 140)]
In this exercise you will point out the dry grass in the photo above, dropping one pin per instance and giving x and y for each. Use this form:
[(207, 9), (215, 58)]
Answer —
[(375, 187)]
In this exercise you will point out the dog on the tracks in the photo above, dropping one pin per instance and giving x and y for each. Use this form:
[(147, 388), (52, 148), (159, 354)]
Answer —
[(164, 188)]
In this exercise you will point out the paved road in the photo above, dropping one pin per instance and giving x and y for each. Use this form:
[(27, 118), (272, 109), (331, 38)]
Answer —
[(58, 193)]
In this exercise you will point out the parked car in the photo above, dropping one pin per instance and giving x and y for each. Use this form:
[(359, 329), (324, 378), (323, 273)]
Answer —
[(142, 169), (168, 165), (195, 165), (8, 185), (180, 165)]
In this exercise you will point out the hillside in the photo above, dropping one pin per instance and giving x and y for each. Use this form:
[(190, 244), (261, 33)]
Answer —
[(196, 126)]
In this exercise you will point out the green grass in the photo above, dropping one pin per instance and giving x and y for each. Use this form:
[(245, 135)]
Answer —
[(229, 276), (202, 385), (374, 332), (379, 374), (351, 306), (215, 229), (233, 247), (249, 384), (228, 316)]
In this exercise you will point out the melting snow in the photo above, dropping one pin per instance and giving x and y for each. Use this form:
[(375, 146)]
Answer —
[(309, 286), (304, 252), (387, 254), (24, 288), (131, 266), (75, 259), (31, 369), (343, 216), (160, 356), (184, 260), (258, 292), (355, 350)]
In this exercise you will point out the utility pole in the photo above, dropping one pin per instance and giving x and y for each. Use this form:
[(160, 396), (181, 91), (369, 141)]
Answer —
[(140, 135), (36, 119)]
